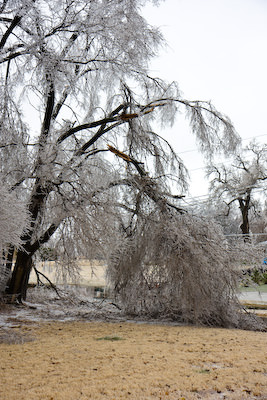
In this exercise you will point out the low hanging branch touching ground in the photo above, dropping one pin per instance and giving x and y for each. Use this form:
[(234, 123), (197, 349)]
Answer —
[(177, 266)]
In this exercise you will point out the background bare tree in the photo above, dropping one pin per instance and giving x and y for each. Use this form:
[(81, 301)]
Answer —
[(241, 182), (77, 106)]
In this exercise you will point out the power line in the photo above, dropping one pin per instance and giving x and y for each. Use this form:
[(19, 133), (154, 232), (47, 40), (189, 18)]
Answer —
[(253, 137), (191, 201), (188, 151), (242, 139), (196, 169), (196, 197)]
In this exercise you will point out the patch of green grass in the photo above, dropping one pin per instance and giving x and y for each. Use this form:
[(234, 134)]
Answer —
[(112, 338), (203, 371)]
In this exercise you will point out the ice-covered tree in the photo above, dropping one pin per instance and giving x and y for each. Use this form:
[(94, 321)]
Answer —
[(13, 223), (78, 107), (241, 182)]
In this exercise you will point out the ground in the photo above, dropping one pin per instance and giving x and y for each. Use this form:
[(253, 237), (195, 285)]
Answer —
[(48, 353)]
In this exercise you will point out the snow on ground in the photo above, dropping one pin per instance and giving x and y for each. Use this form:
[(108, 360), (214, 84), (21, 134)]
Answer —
[(45, 305)]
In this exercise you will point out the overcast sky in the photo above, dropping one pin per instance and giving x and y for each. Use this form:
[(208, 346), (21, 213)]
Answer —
[(217, 51)]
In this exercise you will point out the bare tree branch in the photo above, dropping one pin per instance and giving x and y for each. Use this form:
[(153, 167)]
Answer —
[(53, 286), (15, 22)]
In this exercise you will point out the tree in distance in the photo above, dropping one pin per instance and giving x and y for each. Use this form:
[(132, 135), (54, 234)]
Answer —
[(240, 182)]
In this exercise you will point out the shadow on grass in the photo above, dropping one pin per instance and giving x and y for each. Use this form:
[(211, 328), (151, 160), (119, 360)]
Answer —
[(112, 338)]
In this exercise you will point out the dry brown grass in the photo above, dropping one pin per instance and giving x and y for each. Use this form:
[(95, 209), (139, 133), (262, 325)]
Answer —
[(67, 362)]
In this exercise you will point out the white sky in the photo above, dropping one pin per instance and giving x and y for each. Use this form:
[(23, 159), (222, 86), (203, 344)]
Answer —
[(217, 51)]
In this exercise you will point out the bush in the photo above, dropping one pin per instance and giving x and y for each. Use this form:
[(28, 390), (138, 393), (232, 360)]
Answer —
[(256, 275), (264, 278)]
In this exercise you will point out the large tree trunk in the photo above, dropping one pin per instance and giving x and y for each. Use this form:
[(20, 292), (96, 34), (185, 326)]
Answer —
[(18, 284), (244, 207)]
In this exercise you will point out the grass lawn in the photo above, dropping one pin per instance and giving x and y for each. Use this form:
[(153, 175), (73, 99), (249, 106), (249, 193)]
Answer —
[(112, 361)]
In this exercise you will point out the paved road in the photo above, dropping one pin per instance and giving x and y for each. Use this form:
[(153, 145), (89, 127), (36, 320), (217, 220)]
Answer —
[(253, 297)]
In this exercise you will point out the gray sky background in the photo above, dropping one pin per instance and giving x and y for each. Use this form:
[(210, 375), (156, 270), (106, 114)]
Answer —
[(216, 51)]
